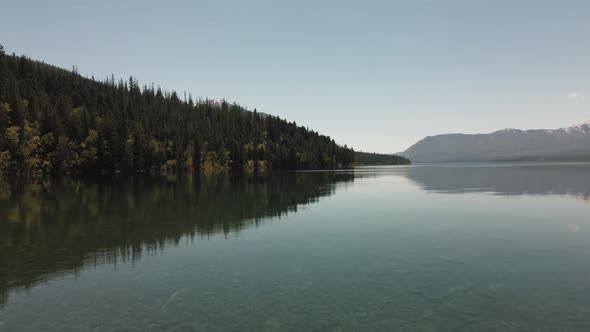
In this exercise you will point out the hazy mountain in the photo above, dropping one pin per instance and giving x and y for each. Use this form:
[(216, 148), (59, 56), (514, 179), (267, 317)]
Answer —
[(572, 143)]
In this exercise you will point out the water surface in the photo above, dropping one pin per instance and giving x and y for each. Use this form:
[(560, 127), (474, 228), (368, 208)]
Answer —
[(425, 247)]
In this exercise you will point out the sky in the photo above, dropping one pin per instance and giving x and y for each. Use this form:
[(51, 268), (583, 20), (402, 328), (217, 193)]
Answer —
[(375, 75)]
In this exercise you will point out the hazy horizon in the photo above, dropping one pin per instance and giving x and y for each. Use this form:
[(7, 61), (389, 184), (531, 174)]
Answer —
[(376, 76)]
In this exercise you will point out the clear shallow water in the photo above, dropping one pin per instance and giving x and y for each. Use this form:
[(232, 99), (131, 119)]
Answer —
[(445, 247)]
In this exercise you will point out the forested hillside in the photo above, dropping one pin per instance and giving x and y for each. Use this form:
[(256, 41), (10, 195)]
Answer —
[(367, 158), (56, 121)]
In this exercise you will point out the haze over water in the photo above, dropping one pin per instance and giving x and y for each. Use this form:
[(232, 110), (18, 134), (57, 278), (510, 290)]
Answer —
[(468, 247)]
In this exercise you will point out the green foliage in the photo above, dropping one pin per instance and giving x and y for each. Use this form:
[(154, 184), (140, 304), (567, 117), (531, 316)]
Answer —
[(6, 163), (89, 151), (30, 149), (54, 120), (4, 115), (65, 158)]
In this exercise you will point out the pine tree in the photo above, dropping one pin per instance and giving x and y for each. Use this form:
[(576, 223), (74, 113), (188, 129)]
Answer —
[(3, 75)]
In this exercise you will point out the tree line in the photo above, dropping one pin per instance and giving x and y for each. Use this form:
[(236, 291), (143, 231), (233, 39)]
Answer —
[(55, 121), (369, 158)]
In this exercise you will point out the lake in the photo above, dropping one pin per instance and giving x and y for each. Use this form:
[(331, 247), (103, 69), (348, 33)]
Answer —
[(423, 247)]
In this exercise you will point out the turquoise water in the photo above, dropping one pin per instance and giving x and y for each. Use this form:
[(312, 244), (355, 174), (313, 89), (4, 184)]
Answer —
[(440, 247)]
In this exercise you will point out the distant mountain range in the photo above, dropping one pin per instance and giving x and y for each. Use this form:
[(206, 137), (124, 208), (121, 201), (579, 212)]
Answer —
[(564, 144)]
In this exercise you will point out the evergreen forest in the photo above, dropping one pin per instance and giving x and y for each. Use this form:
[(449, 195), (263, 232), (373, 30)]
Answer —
[(56, 121)]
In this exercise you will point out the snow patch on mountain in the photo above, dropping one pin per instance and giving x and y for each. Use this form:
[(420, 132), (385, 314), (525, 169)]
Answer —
[(571, 143)]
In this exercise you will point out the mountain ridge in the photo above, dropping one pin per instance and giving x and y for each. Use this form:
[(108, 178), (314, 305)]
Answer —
[(567, 143)]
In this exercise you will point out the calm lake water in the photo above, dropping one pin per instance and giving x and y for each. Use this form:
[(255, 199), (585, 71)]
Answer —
[(445, 247)]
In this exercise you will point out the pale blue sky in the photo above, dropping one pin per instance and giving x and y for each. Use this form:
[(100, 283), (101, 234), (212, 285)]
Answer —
[(376, 75)]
